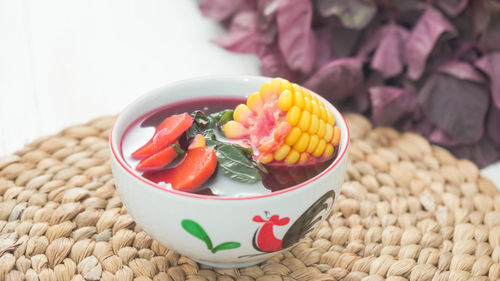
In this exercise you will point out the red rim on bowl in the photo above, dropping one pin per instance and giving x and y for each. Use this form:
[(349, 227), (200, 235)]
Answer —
[(122, 163)]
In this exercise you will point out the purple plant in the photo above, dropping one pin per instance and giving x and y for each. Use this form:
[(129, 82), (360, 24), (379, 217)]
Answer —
[(431, 67)]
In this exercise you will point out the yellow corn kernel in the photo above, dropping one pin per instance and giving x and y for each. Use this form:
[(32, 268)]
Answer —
[(313, 127), (285, 100), (276, 86), (293, 136), (322, 128), (302, 143), (297, 87), (307, 93), (313, 142), (315, 107), (298, 99), (292, 157), (242, 113), (304, 156), (320, 148), (293, 115), (336, 136), (331, 119), (268, 91), (235, 130), (305, 120), (328, 151), (281, 152), (307, 104), (285, 85), (322, 111), (314, 97), (266, 158), (254, 101), (329, 132)]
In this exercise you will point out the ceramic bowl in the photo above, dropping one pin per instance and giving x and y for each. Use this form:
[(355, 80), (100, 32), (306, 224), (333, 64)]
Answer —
[(223, 231)]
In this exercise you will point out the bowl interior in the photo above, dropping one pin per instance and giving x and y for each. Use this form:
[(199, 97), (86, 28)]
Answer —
[(223, 86)]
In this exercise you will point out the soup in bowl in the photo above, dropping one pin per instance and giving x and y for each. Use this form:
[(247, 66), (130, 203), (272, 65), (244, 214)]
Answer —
[(229, 170)]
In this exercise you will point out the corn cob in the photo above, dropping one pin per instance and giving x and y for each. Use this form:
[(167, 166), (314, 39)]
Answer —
[(286, 122)]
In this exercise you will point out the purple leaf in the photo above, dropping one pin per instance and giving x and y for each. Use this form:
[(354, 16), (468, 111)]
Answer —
[(361, 99), (408, 12), (441, 137), (494, 5), (466, 51), (390, 104), (268, 8), (243, 34), (295, 37), (218, 10), (268, 32), (389, 56), (461, 70), (374, 56), (482, 153), (452, 7), (268, 28), (354, 14), (458, 107), (493, 125), (490, 64), (323, 52), (337, 79), (273, 64), (481, 16), (371, 41), (343, 40), (420, 126), (490, 39), (407, 5), (422, 39)]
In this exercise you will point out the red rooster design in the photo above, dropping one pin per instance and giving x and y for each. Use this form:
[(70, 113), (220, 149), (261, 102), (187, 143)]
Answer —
[(264, 239)]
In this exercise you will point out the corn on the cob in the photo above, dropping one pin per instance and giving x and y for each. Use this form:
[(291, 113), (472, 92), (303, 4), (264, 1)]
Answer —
[(302, 128)]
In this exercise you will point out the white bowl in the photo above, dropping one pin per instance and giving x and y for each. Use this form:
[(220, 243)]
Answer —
[(259, 226)]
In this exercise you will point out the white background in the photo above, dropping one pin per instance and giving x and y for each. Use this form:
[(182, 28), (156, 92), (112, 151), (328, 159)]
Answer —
[(64, 62)]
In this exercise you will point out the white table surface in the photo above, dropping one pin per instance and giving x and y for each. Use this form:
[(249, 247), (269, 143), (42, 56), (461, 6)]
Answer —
[(65, 62)]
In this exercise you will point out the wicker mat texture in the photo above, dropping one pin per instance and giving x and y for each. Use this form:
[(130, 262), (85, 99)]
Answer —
[(407, 211)]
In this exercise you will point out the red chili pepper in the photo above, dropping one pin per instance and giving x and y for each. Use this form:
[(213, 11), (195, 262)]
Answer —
[(160, 159), (191, 173), (166, 133)]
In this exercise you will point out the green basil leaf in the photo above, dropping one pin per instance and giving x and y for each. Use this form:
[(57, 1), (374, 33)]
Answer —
[(226, 117), (235, 161), (200, 118), (247, 151), (209, 134), (222, 117), (226, 246), (197, 231), (212, 143), (201, 123), (235, 164)]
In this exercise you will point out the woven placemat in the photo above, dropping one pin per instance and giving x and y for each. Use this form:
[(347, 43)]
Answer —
[(407, 211)]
